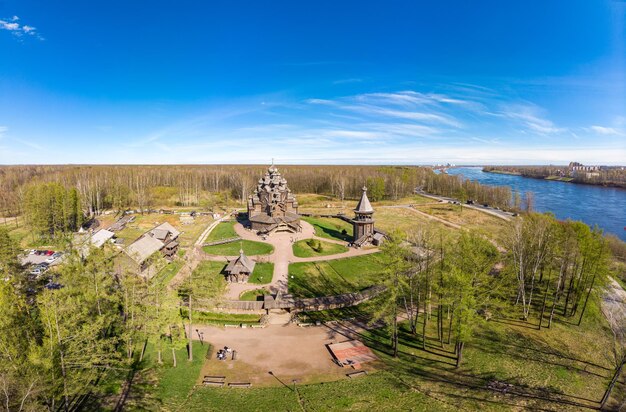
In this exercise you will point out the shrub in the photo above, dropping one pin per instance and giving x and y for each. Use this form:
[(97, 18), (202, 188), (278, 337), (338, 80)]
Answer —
[(315, 244)]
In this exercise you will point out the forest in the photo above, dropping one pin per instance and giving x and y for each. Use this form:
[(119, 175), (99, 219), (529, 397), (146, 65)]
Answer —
[(145, 187)]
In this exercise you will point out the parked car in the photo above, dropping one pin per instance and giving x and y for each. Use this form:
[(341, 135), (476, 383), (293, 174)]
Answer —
[(36, 271), (49, 252), (51, 259)]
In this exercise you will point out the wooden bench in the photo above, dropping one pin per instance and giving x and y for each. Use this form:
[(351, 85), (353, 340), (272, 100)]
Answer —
[(213, 383), (214, 378), (239, 385), (356, 374)]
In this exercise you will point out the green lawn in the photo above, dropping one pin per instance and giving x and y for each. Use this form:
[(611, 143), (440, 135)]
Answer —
[(332, 277), (168, 272), (263, 273), (219, 318), (254, 294), (302, 248), (223, 230), (164, 387), (250, 248), (209, 268), (330, 228)]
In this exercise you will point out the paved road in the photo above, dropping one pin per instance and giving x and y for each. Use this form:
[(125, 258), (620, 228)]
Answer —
[(488, 210)]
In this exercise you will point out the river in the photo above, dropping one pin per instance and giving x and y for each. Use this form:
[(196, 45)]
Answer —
[(594, 205)]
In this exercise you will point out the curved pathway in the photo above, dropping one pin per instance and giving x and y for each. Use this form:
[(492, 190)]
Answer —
[(281, 257)]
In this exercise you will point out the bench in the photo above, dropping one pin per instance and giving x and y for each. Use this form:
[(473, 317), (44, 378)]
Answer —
[(239, 385), (257, 326), (213, 383), (230, 325), (214, 378), (356, 374)]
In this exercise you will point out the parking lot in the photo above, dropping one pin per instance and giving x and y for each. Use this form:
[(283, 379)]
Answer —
[(38, 261)]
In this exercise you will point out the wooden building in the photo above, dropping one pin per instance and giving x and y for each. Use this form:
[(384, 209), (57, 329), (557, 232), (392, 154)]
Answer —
[(363, 222), (272, 207), (239, 269)]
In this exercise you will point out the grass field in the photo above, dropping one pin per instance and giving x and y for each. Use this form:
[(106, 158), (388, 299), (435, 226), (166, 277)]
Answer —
[(262, 274), (254, 294), (168, 272), (467, 218), (332, 277), (163, 387), (224, 230), (219, 318), (302, 249), (250, 248), (331, 228)]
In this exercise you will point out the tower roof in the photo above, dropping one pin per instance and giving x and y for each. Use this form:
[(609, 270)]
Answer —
[(242, 264), (364, 205)]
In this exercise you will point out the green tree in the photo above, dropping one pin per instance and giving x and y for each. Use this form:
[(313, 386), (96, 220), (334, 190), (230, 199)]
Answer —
[(202, 285), (469, 285), (396, 257), (376, 188)]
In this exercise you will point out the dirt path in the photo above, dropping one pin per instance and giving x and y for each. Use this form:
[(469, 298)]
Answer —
[(426, 215), (614, 308), (194, 256), (497, 213)]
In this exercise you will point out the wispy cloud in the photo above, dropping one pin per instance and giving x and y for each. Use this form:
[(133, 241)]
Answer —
[(607, 131), (530, 118), (18, 30)]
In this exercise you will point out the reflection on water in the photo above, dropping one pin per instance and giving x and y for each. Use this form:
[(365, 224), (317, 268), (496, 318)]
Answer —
[(594, 205)]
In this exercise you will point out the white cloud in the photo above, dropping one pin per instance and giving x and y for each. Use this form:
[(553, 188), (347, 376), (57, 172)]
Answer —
[(18, 30), (531, 119), (608, 131), (9, 26)]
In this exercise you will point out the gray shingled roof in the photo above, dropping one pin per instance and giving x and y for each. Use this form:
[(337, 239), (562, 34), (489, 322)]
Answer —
[(364, 205), (100, 237), (241, 264), (167, 227), (143, 248)]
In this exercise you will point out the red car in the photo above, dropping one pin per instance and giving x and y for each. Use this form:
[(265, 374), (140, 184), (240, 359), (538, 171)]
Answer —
[(49, 252)]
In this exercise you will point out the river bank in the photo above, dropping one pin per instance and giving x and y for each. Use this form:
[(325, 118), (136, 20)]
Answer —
[(557, 179), (591, 204)]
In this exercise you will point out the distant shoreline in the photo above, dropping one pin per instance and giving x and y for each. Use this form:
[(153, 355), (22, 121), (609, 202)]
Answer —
[(556, 179)]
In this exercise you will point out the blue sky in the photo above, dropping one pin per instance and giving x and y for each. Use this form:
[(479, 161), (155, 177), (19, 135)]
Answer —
[(393, 82)]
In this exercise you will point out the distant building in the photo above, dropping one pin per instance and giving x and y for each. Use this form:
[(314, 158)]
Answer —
[(272, 207), (576, 167), (239, 269)]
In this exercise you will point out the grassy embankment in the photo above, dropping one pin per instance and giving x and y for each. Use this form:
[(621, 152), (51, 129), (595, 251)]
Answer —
[(314, 247), (333, 277), (225, 230), (331, 228)]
